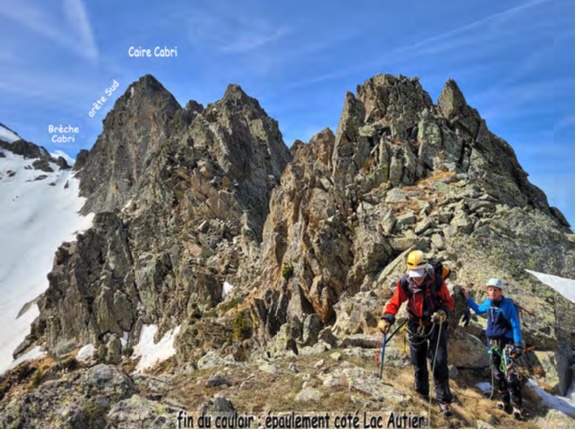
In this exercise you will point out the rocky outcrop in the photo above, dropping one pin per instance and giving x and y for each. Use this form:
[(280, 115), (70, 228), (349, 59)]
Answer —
[(26, 149), (304, 232), (312, 240), (39, 154), (182, 196), (92, 290)]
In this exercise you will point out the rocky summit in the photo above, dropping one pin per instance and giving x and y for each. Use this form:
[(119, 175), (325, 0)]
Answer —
[(312, 240)]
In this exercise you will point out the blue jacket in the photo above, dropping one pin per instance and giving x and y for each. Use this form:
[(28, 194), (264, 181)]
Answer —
[(502, 319)]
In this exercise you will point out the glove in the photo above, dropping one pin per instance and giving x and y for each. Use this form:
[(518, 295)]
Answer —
[(385, 323), (517, 351), (466, 318), (439, 317), (384, 326)]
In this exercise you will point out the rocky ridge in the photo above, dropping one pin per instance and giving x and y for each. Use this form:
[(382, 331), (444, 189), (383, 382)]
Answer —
[(311, 239), (39, 154)]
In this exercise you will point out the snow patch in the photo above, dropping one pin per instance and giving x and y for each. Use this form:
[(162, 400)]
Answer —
[(86, 352), (150, 353), (34, 221), (8, 135), (226, 288), (127, 205), (124, 339), (564, 286), (562, 404), (485, 387), (34, 354), (556, 402)]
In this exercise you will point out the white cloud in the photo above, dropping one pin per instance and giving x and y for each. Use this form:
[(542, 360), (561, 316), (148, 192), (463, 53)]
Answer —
[(73, 31), (471, 41), (79, 20), (231, 32), (567, 121), (47, 87), (252, 41), (499, 103)]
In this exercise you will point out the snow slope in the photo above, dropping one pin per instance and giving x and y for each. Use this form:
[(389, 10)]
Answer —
[(35, 218), (8, 135), (564, 286)]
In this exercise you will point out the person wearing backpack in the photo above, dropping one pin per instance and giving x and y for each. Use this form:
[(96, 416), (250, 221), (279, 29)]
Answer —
[(504, 334), (429, 305)]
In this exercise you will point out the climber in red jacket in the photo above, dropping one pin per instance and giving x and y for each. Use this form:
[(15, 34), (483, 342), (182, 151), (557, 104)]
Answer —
[(429, 306)]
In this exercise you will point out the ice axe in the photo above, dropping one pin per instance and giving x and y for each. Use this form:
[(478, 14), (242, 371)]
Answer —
[(525, 350), (382, 355), (384, 343)]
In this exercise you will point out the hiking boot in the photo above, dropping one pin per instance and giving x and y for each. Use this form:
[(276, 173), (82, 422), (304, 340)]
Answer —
[(446, 409), (501, 405), (423, 396), (517, 413)]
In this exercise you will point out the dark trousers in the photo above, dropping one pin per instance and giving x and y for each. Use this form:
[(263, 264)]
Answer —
[(423, 347), (505, 375)]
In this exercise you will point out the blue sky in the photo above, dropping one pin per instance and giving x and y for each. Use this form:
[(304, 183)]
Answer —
[(513, 60)]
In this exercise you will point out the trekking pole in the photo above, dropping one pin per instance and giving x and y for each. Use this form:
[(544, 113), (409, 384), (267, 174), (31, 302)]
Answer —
[(433, 369), (382, 356)]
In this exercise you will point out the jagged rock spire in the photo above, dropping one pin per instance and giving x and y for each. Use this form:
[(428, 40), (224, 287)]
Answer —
[(451, 101), (133, 130)]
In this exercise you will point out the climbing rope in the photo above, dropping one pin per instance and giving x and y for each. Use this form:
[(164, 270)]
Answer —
[(492, 374), (420, 334), (506, 365)]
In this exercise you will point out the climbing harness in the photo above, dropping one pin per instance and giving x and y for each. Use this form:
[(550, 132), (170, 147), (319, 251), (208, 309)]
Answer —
[(507, 362)]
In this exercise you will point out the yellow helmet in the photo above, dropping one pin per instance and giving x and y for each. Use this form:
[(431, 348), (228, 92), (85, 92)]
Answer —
[(416, 263)]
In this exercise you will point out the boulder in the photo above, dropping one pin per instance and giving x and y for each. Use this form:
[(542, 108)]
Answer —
[(82, 398), (139, 412)]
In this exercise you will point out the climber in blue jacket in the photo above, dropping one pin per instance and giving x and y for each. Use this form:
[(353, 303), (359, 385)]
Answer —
[(504, 334)]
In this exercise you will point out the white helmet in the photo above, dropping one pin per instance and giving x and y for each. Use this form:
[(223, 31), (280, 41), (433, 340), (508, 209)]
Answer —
[(495, 282)]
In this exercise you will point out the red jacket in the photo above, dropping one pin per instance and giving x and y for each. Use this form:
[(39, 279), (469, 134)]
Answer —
[(421, 304)]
